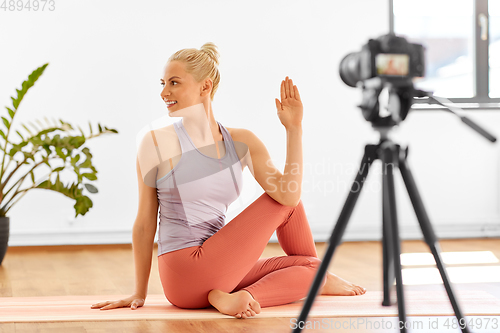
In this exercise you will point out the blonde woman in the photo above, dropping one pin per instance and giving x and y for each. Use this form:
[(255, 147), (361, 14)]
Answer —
[(202, 260)]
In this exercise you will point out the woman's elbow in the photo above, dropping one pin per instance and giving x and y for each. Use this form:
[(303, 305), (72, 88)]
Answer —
[(291, 201)]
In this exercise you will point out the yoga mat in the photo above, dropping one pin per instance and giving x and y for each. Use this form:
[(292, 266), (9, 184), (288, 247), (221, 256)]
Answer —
[(77, 308)]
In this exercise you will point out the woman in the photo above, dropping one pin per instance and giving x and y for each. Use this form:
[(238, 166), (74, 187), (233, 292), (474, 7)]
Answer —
[(202, 261)]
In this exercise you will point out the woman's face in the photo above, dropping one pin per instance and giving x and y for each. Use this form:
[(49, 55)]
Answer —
[(180, 87)]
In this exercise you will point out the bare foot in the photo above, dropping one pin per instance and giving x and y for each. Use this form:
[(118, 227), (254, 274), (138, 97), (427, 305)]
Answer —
[(340, 287), (240, 304)]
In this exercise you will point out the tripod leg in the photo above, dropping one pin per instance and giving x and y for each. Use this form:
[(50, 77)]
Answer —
[(387, 251), (429, 236), (368, 157), (389, 155)]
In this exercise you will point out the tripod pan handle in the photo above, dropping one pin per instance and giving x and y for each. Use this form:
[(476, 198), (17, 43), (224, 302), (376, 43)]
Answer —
[(478, 129)]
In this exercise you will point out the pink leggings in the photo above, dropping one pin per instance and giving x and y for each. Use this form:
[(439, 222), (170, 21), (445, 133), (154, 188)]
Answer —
[(229, 259)]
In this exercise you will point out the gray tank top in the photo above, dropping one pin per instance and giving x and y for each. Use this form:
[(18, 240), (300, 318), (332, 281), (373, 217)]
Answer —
[(194, 196)]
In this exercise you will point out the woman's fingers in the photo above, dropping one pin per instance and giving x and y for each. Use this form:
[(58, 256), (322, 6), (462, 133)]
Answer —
[(283, 93), (109, 306), (101, 304), (287, 88), (133, 301), (290, 88), (137, 303), (296, 91), (114, 305)]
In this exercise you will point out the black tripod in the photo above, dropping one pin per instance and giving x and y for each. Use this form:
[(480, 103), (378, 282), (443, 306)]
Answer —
[(392, 156)]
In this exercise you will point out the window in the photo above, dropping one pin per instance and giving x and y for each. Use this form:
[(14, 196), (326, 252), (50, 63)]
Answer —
[(462, 47)]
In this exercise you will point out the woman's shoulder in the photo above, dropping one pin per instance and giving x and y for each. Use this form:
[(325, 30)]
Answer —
[(242, 139), (240, 134), (157, 146)]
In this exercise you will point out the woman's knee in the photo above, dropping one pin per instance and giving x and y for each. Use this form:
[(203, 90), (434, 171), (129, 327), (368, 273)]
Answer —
[(315, 263)]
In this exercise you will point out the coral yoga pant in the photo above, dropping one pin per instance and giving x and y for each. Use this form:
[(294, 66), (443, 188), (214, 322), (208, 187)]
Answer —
[(229, 259)]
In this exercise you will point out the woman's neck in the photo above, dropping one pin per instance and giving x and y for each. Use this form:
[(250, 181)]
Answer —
[(202, 125)]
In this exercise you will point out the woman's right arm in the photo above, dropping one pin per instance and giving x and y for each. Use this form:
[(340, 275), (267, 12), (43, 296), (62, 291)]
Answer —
[(143, 234)]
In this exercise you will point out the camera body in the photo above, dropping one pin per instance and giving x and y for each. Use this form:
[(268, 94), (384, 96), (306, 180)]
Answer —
[(389, 56), (389, 62)]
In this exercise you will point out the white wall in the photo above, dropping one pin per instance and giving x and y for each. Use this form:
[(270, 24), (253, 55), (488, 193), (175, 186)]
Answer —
[(106, 59)]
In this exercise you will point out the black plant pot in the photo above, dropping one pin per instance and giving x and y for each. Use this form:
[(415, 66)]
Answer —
[(4, 236)]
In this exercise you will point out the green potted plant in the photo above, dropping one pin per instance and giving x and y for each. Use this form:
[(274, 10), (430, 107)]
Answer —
[(37, 148)]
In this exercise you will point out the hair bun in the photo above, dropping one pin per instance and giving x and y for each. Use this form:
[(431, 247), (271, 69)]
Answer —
[(211, 49)]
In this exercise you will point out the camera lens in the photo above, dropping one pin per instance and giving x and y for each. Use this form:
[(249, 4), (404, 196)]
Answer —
[(349, 69)]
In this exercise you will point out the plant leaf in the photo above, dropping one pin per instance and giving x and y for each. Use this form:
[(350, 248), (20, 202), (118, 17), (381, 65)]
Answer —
[(6, 122), (83, 203), (89, 176), (27, 129), (34, 126), (27, 84), (83, 134), (91, 188), (11, 113)]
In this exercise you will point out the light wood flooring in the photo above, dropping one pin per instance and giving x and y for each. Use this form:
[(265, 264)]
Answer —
[(108, 269)]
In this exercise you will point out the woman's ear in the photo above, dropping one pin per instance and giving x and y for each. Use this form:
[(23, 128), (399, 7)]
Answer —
[(207, 86)]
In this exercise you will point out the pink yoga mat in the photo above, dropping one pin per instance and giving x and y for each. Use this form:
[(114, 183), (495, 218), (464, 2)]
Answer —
[(77, 308)]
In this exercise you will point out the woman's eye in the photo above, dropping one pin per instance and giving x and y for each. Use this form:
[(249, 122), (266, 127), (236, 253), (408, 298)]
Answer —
[(163, 83)]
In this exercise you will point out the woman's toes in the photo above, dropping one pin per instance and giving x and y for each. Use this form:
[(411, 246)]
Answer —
[(238, 315), (255, 306), (252, 312)]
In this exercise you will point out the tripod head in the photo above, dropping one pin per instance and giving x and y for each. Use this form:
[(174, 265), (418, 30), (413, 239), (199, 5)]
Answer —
[(400, 100), (390, 62), (402, 95)]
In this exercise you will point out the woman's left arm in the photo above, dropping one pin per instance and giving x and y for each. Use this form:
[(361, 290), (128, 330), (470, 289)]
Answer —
[(284, 188), (290, 111)]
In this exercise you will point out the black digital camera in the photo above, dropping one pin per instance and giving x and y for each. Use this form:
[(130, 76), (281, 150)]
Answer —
[(388, 56), (388, 62)]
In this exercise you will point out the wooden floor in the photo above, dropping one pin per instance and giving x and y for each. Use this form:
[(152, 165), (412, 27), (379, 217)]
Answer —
[(108, 269)]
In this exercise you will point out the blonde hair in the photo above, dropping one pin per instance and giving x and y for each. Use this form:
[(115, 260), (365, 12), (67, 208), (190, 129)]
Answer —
[(201, 64)]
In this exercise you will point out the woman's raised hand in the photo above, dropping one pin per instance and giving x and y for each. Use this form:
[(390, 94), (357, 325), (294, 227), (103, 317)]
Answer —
[(290, 108), (133, 302)]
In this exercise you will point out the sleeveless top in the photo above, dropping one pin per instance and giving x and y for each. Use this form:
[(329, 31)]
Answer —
[(194, 196)]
